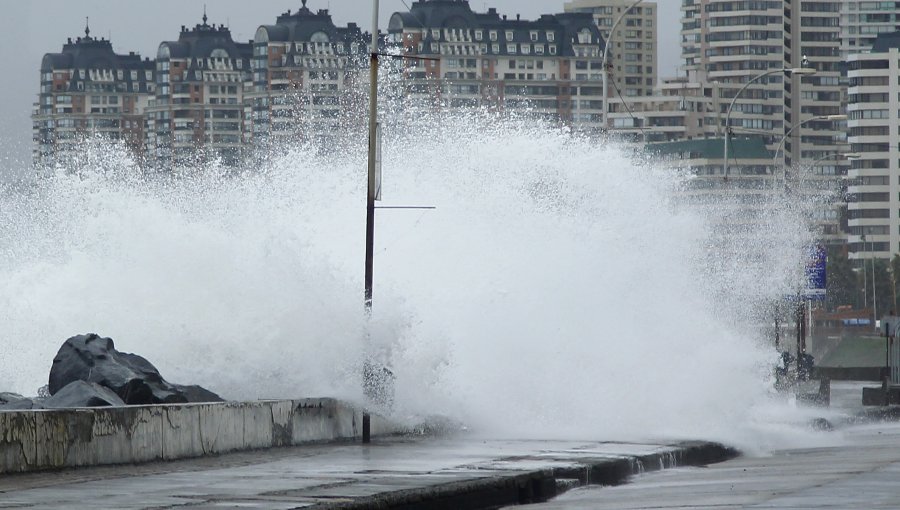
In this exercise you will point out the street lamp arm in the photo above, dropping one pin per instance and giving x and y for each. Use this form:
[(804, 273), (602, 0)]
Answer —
[(790, 70), (604, 70), (742, 89), (795, 126), (613, 29)]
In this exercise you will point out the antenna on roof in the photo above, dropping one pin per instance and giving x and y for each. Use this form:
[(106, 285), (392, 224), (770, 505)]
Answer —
[(204, 15), (87, 26)]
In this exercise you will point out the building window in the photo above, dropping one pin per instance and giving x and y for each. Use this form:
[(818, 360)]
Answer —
[(493, 34), (510, 35), (534, 36), (553, 49), (551, 36), (479, 35), (511, 49)]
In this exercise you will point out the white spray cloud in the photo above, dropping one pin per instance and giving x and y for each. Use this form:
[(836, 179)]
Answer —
[(558, 288)]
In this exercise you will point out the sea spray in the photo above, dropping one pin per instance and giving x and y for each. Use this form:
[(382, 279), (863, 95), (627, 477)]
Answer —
[(560, 287)]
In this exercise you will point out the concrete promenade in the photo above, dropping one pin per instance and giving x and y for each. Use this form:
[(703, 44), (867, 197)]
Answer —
[(390, 473)]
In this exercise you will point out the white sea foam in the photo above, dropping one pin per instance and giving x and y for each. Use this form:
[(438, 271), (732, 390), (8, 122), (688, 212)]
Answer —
[(557, 290)]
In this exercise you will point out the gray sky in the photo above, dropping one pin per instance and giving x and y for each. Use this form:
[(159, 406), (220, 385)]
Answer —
[(35, 27)]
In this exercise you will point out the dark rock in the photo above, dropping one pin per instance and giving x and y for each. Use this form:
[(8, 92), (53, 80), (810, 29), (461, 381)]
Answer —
[(195, 393), (82, 394), (20, 405), (821, 424), (6, 397), (135, 380)]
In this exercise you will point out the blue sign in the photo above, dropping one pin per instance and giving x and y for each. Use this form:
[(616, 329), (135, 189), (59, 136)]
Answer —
[(815, 272)]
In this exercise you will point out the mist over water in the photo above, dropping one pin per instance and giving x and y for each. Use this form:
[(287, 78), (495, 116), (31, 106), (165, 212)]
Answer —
[(559, 288)]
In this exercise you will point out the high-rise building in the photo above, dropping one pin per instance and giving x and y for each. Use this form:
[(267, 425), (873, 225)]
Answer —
[(741, 45), (633, 47), (308, 77), (89, 90), (550, 67), (874, 122), (863, 20), (197, 112)]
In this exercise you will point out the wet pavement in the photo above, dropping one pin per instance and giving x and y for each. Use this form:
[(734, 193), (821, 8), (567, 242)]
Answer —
[(863, 473), (394, 473), (425, 473)]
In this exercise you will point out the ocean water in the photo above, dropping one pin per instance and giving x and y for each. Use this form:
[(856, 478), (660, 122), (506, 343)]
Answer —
[(560, 287)]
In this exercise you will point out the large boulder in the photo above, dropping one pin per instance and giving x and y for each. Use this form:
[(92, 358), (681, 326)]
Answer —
[(82, 394), (135, 380)]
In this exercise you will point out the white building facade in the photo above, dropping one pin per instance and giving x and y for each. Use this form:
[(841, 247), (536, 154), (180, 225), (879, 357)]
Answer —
[(873, 208)]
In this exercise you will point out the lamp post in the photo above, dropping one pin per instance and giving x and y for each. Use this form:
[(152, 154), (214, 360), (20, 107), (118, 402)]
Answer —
[(865, 269), (874, 301), (787, 70), (832, 155), (603, 62), (797, 125), (372, 191)]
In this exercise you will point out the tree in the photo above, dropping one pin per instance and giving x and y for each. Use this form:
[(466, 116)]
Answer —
[(884, 287), (843, 282), (895, 278)]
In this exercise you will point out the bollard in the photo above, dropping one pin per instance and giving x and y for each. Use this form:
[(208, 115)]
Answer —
[(825, 392)]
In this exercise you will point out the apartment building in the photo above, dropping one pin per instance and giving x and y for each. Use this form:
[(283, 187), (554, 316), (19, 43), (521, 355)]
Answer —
[(633, 47), (863, 20), (197, 111), (89, 90), (677, 110), (549, 67), (309, 77), (874, 178), (741, 45)]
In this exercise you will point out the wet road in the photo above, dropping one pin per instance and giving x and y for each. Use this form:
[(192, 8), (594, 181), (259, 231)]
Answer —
[(862, 472)]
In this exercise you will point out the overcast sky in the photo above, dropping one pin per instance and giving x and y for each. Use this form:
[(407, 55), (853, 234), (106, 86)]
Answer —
[(35, 27)]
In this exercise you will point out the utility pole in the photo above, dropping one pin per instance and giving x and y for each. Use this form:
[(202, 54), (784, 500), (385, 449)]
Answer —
[(370, 200)]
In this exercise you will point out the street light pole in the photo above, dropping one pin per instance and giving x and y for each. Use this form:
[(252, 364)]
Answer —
[(787, 70), (797, 125), (874, 301), (370, 195), (865, 269), (603, 63)]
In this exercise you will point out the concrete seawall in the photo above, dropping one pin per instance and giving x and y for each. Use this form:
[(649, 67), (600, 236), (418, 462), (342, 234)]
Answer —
[(36, 440)]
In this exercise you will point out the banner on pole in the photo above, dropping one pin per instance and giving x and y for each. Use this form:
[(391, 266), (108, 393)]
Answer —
[(816, 265)]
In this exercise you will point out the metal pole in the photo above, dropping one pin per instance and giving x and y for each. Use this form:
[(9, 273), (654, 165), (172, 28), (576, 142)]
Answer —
[(370, 195), (874, 303), (865, 269), (801, 323)]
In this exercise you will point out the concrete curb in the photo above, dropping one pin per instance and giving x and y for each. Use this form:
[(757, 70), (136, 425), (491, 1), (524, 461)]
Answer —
[(36, 440), (537, 486)]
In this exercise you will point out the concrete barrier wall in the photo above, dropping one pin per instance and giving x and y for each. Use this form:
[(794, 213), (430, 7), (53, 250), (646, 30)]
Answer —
[(37, 440), (847, 373)]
